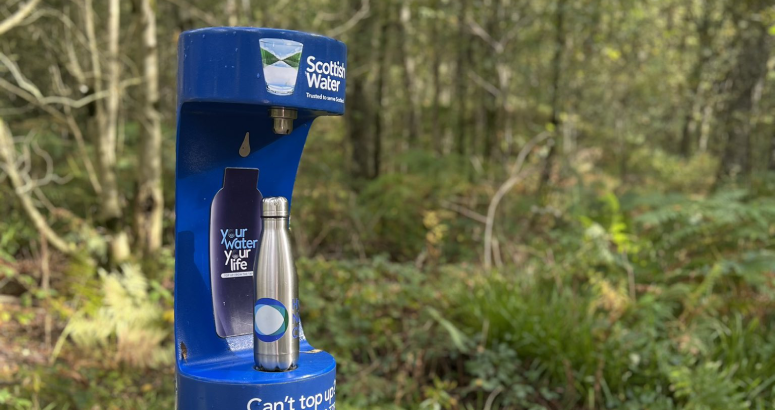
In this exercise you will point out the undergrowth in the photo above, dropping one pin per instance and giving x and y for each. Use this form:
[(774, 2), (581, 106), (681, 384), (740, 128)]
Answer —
[(628, 301)]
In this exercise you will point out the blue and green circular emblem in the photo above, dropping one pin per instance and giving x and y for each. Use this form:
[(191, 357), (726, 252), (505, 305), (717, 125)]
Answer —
[(270, 319)]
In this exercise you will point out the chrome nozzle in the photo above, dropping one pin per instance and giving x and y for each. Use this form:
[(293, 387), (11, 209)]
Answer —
[(283, 119)]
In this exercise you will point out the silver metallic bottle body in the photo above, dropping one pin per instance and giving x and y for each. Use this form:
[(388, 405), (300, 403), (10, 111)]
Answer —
[(276, 311)]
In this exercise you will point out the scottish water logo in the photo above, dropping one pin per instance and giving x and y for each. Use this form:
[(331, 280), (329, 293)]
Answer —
[(281, 60), (323, 75)]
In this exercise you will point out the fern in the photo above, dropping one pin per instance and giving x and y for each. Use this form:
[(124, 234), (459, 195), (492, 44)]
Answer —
[(708, 387), (127, 323), (701, 232)]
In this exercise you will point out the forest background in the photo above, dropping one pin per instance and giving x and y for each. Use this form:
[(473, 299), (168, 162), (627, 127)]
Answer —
[(527, 205)]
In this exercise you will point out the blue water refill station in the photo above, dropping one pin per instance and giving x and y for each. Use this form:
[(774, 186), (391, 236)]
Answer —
[(246, 100)]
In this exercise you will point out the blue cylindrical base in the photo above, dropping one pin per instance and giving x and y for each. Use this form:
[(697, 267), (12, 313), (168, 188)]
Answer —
[(236, 385)]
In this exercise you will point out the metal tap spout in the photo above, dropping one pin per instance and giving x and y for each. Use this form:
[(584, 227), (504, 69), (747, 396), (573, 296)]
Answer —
[(283, 119)]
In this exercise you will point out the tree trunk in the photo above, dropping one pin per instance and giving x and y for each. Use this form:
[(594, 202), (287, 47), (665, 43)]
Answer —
[(357, 131), (379, 115), (412, 129), (107, 134), (750, 68), (357, 118), (492, 105), (149, 202), (771, 163), (461, 79), (231, 12), (247, 12), (436, 132), (559, 49), (695, 79)]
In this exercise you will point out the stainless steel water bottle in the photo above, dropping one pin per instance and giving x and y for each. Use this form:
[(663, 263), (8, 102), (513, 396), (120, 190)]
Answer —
[(276, 311)]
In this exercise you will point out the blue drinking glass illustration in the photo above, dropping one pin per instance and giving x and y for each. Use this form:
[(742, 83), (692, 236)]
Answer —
[(281, 60)]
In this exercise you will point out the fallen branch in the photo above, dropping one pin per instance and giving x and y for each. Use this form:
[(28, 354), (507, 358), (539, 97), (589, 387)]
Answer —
[(28, 86), (476, 216), (361, 14), (516, 175), (7, 155), (16, 18)]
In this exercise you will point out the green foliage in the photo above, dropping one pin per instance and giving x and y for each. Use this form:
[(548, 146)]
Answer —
[(533, 337), (658, 170), (124, 322), (729, 231), (707, 386), (61, 387), (388, 214), (373, 318), (499, 372), (14, 231), (570, 332)]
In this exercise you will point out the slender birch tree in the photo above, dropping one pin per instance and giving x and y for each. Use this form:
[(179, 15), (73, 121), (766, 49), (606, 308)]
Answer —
[(149, 202)]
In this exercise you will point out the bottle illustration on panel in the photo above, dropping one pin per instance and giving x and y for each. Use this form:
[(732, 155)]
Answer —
[(235, 229)]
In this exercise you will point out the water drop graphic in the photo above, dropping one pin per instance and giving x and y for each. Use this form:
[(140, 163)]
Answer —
[(244, 149)]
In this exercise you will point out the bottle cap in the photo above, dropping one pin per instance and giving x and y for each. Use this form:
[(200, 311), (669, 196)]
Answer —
[(244, 178), (275, 207)]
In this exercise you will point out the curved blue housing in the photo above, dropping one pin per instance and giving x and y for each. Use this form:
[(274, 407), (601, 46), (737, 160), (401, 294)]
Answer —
[(224, 64), (228, 78)]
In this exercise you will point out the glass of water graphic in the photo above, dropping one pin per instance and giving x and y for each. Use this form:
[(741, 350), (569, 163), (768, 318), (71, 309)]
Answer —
[(281, 60)]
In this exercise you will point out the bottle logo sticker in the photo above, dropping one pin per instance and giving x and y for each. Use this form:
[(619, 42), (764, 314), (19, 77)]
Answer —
[(270, 319), (237, 249)]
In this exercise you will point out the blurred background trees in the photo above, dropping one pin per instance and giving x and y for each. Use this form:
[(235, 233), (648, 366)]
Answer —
[(580, 189)]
